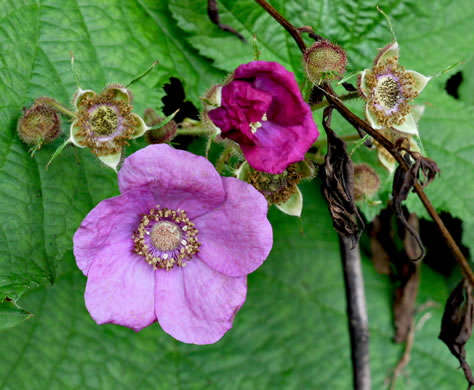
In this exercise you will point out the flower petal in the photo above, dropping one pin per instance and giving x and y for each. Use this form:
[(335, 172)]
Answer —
[(178, 179), (371, 118), (417, 111), (112, 221), (73, 135), (392, 50), (140, 126), (120, 288), (287, 104), (390, 165), (196, 304), (237, 237), (294, 205), (408, 126), (363, 89), (287, 130), (421, 80), (111, 160), (279, 146)]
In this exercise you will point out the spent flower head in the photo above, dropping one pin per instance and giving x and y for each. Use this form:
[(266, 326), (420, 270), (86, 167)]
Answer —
[(281, 189), (388, 89), (366, 182), (105, 122), (175, 247), (40, 124)]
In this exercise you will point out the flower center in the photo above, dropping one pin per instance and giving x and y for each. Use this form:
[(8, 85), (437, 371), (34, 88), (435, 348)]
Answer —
[(166, 238), (388, 92), (104, 120), (254, 126), (391, 90)]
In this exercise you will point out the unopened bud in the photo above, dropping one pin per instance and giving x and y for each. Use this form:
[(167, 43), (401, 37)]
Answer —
[(366, 182), (163, 134), (324, 61), (39, 124)]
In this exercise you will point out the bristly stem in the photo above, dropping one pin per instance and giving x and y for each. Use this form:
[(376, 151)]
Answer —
[(357, 313), (195, 131)]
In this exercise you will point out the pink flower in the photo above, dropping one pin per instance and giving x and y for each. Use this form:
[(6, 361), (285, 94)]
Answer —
[(175, 246), (262, 109)]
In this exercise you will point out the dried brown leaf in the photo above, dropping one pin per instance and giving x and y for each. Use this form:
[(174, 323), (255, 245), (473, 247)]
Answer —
[(339, 184), (456, 325)]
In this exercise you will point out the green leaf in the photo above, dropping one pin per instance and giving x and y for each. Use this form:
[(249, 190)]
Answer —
[(40, 210), (446, 132), (11, 314), (431, 38), (290, 334), (466, 88)]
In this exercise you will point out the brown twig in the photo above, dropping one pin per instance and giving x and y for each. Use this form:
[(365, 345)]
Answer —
[(357, 313)]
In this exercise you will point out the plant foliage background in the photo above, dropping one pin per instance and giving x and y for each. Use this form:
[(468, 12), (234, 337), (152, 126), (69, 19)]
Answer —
[(292, 331)]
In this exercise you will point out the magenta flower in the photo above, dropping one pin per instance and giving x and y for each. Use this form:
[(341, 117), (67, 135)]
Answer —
[(262, 109), (175, 246)]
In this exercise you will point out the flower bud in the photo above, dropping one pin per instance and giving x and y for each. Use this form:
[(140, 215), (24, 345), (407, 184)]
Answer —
[(211, 100), (163, 134), (324, 61), (366, 182), (39, 124)]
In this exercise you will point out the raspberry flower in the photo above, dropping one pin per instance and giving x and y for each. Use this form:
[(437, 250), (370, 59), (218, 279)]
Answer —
[(388, 89), (262, 109), (104, 123), (175, 246)]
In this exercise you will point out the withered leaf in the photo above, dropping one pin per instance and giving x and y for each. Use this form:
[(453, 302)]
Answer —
[(213, 12), (456, 325), (339, 184), (427, 166), (403, 182)]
